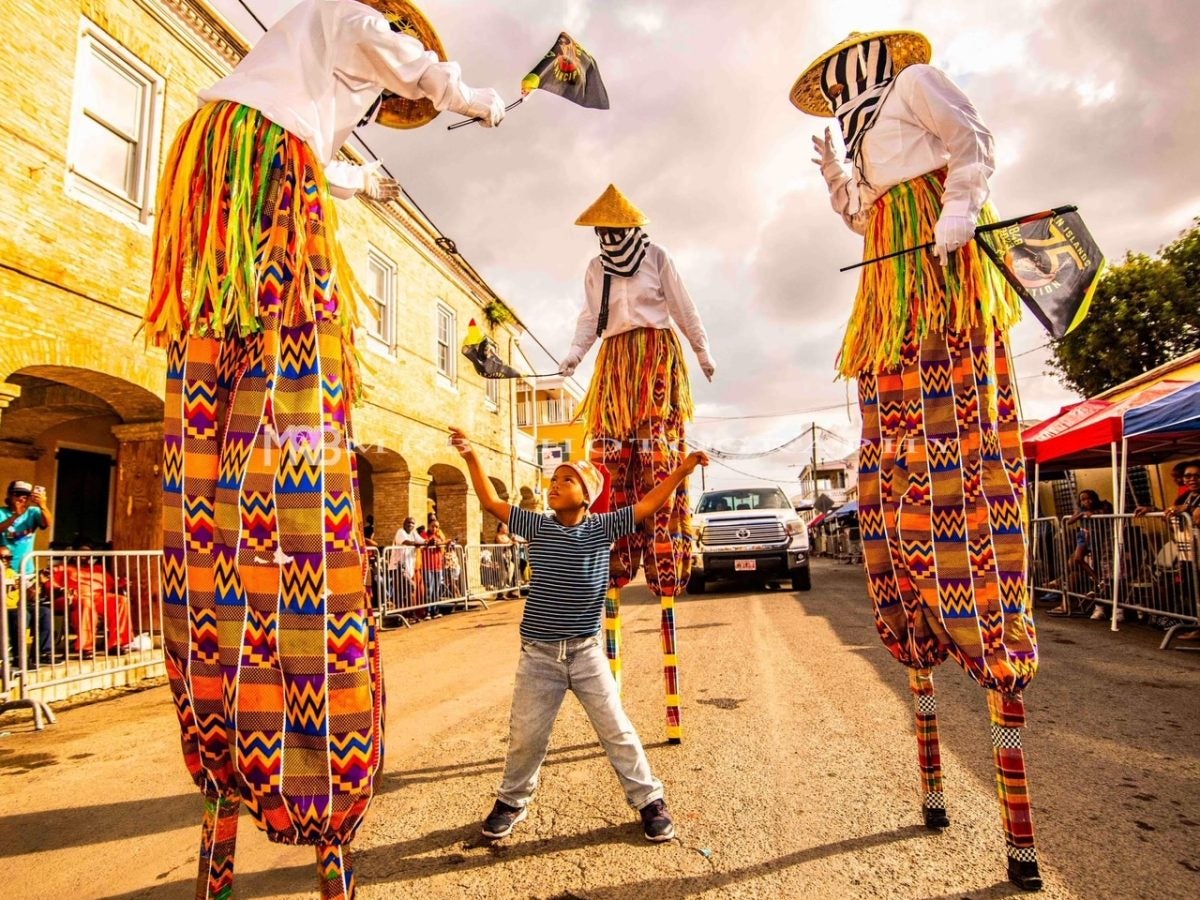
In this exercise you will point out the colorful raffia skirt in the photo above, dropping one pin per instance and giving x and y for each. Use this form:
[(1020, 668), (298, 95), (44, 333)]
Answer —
[(641, 377), (941, 472), (270, 641)]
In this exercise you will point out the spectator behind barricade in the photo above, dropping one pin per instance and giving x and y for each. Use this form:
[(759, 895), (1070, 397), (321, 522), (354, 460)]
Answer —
[(37, 617), (1179, 556), (92, 601), (506, 559), (1080, 575), (433, 561), (455, 586), (24, 514), (403, 563)]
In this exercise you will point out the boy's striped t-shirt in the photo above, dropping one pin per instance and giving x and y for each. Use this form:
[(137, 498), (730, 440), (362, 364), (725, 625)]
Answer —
[(570, 571)]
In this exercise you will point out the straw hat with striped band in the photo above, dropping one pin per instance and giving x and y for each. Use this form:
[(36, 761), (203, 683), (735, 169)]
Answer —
[(612, 210), (396, 111), (906, 48)]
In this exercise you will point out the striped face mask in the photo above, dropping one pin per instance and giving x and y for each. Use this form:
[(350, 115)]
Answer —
[(622, 250), (854, 82)]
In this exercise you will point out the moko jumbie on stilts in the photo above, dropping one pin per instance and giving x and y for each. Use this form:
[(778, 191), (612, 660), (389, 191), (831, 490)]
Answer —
[(270, 640), (637, 409), (941, 476)]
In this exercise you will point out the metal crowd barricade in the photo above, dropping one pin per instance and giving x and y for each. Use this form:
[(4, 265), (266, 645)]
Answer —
[(1147, 564), (495, 571), (84, 620), (420, 582), (1155, 556), (1047, 564)]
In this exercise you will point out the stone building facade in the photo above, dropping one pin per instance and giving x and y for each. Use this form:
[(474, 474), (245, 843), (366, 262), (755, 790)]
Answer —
[(94, 93)]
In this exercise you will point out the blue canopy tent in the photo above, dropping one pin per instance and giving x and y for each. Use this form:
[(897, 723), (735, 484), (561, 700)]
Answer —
[(848, 510)]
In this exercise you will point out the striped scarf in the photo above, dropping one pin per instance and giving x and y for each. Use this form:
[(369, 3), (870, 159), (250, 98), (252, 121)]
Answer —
[(622, 250), (855, 82)]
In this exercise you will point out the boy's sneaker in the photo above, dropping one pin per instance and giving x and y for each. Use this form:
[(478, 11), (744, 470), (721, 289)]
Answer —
[(502, 819), (656, 822)]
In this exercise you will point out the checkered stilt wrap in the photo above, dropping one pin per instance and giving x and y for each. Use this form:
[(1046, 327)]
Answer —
[(612, 632), (218, 841), (1007, 713), (929, 757), (639, 450), (334, 872)]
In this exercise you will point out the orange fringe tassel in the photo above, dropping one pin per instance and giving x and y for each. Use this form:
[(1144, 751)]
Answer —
[(911, 296), (640, 375)]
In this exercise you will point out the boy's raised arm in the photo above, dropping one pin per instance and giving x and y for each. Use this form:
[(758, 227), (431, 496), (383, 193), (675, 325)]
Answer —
[(662, 491), (484, 488)]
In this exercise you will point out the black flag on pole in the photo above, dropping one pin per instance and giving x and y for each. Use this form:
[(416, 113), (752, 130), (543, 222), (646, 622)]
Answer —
[(569, 71), (1051, 261)]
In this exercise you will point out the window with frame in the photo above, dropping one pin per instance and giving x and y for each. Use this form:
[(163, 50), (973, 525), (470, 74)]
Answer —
[(492, 386), (115, 122), (381, 295), (445, 341)]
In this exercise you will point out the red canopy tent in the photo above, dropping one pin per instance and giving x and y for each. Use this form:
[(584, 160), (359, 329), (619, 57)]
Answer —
[(1082, 441), (1034, 436)]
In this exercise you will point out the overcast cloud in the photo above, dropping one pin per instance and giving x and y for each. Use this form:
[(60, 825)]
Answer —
[(1092, 103)]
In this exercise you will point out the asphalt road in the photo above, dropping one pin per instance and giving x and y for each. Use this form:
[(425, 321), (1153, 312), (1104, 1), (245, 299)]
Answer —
[(796, 778)]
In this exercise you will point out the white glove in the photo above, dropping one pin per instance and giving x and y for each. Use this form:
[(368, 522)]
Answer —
[(487, 106), (827, 157), (707, 366), (569, 365), (379, 187), (951, 233)]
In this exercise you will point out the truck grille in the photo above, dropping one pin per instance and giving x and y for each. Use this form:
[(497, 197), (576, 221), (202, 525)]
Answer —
[(760, 531)]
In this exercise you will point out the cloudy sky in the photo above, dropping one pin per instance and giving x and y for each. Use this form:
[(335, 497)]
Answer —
[(1092, 102)]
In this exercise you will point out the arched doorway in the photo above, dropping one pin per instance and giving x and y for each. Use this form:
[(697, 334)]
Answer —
[(448, 493), (95, 442), (383, 488), (488, 526)]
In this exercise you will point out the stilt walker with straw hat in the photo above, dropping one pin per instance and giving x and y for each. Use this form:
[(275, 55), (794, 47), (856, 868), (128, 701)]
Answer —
[(941, 477), (269, 638), (637, 408)]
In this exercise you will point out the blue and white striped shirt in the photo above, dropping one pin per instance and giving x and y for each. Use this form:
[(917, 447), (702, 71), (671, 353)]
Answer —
[(570, 571)]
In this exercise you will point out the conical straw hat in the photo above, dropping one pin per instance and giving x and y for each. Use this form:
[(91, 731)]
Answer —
[(396, 111), (612, 210), (905, 47)]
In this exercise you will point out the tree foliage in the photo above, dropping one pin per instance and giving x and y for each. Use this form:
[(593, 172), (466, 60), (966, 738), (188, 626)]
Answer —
[(1146, 312)]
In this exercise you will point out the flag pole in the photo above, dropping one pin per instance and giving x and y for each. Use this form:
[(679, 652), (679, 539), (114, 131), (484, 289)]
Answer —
[(508, 108), (1019, 220), (867, 262)]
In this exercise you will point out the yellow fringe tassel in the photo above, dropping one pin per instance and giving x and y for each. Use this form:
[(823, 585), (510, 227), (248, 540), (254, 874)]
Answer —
[(912, 295), (640, 376)]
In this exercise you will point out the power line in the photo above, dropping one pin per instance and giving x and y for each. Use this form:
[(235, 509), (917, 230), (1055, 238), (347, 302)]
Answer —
[(250, 12), (777, 415)]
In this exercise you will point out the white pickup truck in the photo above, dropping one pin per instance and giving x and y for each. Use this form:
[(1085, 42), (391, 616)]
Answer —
[(748, 533)]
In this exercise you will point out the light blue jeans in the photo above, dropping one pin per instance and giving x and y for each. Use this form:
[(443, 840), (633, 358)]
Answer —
[(547, 670)]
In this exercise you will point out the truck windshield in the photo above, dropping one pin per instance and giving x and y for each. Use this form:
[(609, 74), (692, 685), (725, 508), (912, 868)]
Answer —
[(736, 501)]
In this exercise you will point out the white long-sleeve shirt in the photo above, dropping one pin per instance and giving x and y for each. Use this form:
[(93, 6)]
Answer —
[(925, 123), (650, 298), (318, 70)]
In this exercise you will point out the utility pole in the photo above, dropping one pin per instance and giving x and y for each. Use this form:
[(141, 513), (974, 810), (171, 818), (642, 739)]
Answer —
[(813, 431)]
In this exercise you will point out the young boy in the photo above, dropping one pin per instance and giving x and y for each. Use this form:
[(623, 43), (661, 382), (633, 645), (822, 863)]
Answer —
[(560, 643)]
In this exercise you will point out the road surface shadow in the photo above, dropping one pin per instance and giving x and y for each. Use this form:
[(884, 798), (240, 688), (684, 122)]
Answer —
[(393, 781), (79, 826), (1111, 719), (406, 861), (687, 886)]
